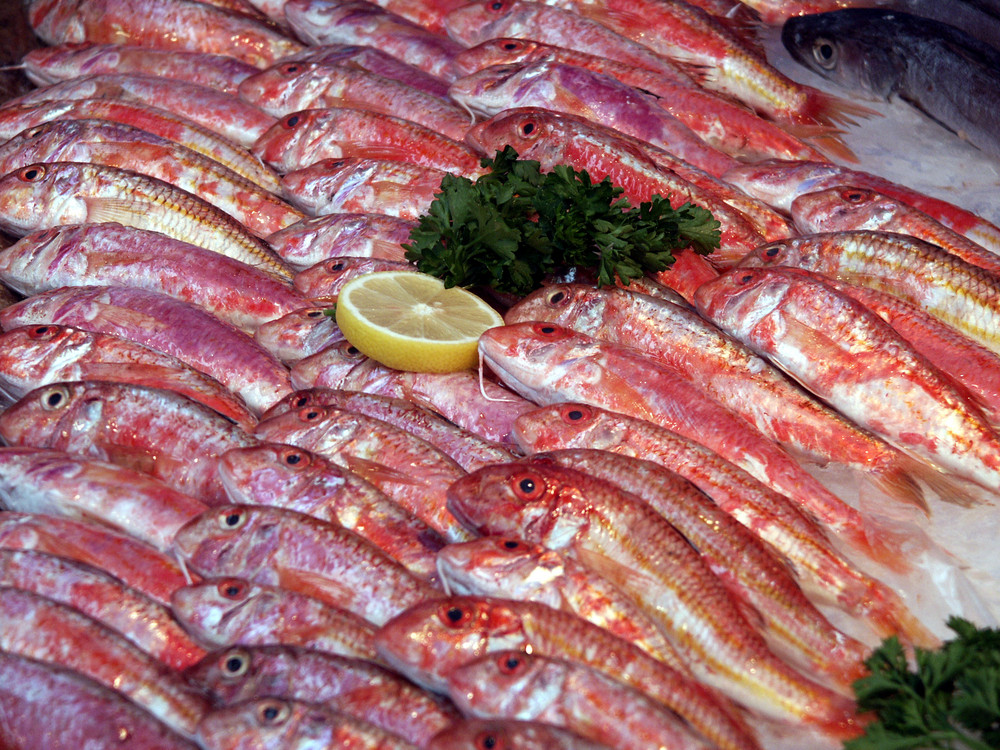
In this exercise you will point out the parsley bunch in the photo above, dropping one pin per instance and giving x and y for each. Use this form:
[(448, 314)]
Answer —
[(513, 226), (951, 700)]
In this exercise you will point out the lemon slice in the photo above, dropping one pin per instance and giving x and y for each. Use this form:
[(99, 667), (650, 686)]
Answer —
[(408, 321)]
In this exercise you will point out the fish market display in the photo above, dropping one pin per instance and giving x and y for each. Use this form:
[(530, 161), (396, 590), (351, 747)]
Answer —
[(690, 486)]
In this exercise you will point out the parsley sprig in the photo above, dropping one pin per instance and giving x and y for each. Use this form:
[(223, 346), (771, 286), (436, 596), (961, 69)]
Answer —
[(516, 224), (951, 700)]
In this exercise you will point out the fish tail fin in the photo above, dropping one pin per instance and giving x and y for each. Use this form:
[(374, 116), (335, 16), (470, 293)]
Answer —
[(887, 614), (899, 480), (876, 541), (948, 488), (828, 109), (688, 272)]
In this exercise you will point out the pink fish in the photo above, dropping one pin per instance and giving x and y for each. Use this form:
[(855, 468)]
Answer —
[(473, 734), (324, 280), (313, 240), (299, 334)]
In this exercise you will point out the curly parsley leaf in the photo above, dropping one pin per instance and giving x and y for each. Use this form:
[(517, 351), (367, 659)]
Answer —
[(951, 699), (516, 224)]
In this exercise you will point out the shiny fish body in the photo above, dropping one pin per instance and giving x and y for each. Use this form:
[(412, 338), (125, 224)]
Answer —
[(299, 334), (278, 547), (40, 196), (147, 623), (231, 611), (35, 355), (470, 734), (154, 23), (349, 684), (112, 254), (956, 292), (314, 240), (291, 86), (151, 430), (819, 336), (168, 325), (323, 282), (306, 482)]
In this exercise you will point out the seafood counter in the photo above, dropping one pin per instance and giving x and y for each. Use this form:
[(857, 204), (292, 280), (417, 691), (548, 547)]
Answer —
[(679, 513)]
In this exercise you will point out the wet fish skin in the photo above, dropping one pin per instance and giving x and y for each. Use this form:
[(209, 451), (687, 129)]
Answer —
[(278, 547), (151, 430), (576, 697), (290, 477), (273, 724), (147, 623), (316, 239), (221, 612), (46, 65), (43, 629), (36, 355), (428, 640), (354, 685), (299, 334), (45, 705), (154, 23), (937, 68), (325, 279), (527, 735), (115, 255)]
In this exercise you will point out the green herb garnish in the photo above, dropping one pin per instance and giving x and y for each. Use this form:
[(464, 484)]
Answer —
[(951, 700), (514, 225)]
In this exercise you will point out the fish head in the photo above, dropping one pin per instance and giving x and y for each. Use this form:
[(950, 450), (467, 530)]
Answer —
[(842, 208), (502, 51), (570, 425), (788, 252), (233, 674), (63, 416), (340, 365), (489, 90), (738, 299), (35, 354), (325, 185), (508, 683), (261, 722), (267, 88), (56, 21), (578, 306), (531, 131), (209, 606), (475, 22), (778, 182), (428, 640), (840, 47), (40, 195), (298, 334), (230, 538), (270, 473), (507, 734), (498, 565), (295, 133)]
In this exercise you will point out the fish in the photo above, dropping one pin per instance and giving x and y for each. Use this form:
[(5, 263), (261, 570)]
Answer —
[(154, 23), (363, 23), (507, 567), (481, 406), (43, 195), (38, 480), (526, 735), (933, 66), (349, 684), (273, 724), (150, 430), (147, 623), (954, 291), (323, 281), (623, 538), (819, 336), (549, 363), (45, 630), (36, 355), (594, 96), (290, 477), (61, 62), (14, 119), (361, 185), (428, 640), (822, 570), (230, 611), (165, 324), (45, 705), (726, 370), (224, 114), (115, 255), (407, 468), (278, 547), (305, 137), (514, 684), (467, 449), (126, 147), (841, 209), (777, 182), (316, 239), (299, 334), (292, 86)]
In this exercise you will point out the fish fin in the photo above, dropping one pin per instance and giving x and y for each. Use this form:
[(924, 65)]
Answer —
[(899, 478), (111, 210), (380, 151), (831, 145), (828, 109), (948, 488), (317, 586), (688, 272), (377, 473), (887, 614)]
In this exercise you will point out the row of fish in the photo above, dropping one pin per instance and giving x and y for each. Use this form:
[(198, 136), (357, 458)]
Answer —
[(224, 527)]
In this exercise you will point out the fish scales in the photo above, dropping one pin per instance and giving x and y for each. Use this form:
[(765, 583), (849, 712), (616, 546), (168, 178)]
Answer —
[(527, 735), (316, 239), (378, 61)]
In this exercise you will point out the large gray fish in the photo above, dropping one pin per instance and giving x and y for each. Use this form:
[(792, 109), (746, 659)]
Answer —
[(937, 68)]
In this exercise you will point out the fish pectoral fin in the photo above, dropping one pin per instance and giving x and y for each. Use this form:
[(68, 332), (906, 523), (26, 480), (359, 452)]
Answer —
[(377, 473), (622, 575), (317, 586), (805, 337), (102, 210)]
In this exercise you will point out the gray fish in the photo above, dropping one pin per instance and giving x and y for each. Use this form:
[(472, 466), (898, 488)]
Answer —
[(948, 75), (978, 18)]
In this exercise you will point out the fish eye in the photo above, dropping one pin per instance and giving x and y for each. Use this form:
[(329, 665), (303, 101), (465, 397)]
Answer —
[(454, 616), (294, 457), (489, 741), (528, 128), (335, 265), (510, 663), (289, 69), (825, 53), (233, 589), (348, 350), (32, 173), (54, 398), (235, 663), (545, 329), (511, 544), (557, 297), (574, 413), (309, 415), (315, 314), (42, 332), (232, 519), (300, 400), (746, 278), (291, 121), (510, 45), (528, 486), (853, 196), (273, 712), (497, 5), (772, 252)]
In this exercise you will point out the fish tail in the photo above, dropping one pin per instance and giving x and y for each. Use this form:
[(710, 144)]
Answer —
[(899, 480), (888, 615), (828, 109), (878, 542), (688, 272), (947, 488)]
